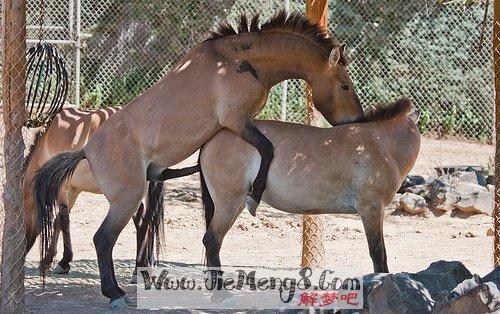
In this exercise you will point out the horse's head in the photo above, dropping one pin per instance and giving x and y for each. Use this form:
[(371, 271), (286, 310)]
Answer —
[(333, 91)]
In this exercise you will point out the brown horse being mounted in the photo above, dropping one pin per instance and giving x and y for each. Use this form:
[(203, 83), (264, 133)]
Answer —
[(353, 168), (69, 131), (221, 83)]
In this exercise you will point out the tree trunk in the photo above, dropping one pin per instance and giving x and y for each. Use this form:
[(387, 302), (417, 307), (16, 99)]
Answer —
[(313, 250), (14, 88)]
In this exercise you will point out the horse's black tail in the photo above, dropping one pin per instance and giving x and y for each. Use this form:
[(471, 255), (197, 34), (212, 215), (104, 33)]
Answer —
[(46, 185), (208, 203), (155, 208)]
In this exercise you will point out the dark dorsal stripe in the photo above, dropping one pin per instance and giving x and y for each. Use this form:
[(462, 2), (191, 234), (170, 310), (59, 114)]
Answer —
[(294, 22)]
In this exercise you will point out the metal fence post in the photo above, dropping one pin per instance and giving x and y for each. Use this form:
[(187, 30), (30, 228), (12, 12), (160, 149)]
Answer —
[(313, 250), (13, 111)]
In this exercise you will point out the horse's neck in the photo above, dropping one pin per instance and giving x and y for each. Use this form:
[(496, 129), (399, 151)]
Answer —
[(402, 142), (277, 55)]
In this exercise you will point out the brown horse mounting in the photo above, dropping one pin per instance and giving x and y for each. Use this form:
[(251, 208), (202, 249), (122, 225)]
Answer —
[(69, 131), (222, 82)]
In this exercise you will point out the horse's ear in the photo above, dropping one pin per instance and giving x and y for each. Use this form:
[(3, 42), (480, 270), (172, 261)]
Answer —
[(337, 55), (415, 115)]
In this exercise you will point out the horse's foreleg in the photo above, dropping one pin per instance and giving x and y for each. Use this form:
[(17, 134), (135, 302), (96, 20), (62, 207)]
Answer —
[(373, 220), (251, 134)]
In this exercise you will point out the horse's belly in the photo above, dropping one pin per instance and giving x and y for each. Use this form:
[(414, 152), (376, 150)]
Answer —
[(83, 180), (301, 202), (298, 191)]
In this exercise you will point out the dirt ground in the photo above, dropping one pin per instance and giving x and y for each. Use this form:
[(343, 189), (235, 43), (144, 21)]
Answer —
[(270, 239)]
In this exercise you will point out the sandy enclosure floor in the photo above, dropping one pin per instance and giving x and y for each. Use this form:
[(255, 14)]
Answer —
[(270, 239)]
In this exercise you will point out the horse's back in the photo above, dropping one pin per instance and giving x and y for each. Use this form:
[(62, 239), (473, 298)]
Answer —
[(313, 169), (71, 129)]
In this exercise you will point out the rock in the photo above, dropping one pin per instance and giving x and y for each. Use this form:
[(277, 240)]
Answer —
[(411, 181), (490, 188), (442, 196), (466, 176), (481, 299), (420, 189), (394, 203), (370, 282), (450, 169), (466, 188), (493, 276), (490, 232), (465, 286), (481, 174), (490, 180), (476, 203), (441, 277), (400, 294), (413, 203)]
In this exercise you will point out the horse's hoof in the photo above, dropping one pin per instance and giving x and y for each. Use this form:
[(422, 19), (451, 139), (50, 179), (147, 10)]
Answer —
[(118, 304), (133, 280), (128, 300), (59, 270), (251, 205)]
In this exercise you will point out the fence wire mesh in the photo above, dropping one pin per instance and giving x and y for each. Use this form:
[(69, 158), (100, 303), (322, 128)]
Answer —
[(496, 66), (12, 162), (422, 49)]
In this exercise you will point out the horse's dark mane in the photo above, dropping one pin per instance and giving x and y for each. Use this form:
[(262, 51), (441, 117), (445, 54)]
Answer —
[(37, 137), (294, 22), (396, 109)]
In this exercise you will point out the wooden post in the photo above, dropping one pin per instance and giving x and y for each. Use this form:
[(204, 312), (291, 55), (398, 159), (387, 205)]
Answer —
[(496, 69), (313, 250), (14, 117)]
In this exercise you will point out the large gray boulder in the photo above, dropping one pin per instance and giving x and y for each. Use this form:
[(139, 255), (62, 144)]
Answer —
[(482, 299), (441, 277), (400, 294)]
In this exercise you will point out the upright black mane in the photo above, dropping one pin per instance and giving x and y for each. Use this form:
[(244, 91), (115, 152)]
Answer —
[(396, 109), (37, 137), (294, 22)]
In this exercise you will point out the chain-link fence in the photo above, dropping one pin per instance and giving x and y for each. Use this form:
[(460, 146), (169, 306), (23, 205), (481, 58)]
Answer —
[(421, 49), (496, 67)]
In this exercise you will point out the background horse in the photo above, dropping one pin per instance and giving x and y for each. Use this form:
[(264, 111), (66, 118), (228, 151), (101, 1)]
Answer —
[(222, 82), (70, 131), (344, 169)]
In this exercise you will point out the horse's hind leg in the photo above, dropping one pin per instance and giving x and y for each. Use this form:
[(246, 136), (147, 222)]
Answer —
[(212, 240), (373, 220), (123, 182), (247, 129), (46, 263), (144, 256), (63, 266)]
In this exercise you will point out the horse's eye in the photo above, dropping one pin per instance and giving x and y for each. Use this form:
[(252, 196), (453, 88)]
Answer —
[(345, 86)]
